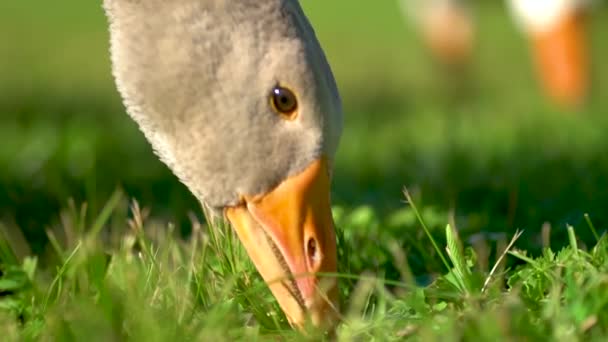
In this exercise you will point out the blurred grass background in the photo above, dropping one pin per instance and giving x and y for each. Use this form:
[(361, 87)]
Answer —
[(488, 147)]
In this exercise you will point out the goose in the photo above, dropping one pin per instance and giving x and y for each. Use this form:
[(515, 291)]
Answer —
[(446, 27), (556, 30), (237, 98)]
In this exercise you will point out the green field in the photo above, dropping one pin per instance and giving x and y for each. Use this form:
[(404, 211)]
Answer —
[(485, 154)]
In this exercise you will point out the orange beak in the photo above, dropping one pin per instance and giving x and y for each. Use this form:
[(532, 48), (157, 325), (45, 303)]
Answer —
[(289, 235), (562, 61)]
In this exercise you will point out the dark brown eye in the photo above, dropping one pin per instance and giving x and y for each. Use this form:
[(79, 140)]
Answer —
[(284, 101)]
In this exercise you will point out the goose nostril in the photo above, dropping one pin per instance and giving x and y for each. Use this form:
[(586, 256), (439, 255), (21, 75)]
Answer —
[(312, 253)]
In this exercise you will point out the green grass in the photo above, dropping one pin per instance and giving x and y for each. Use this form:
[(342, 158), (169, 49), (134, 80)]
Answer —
[(123, 276), (487, 157)]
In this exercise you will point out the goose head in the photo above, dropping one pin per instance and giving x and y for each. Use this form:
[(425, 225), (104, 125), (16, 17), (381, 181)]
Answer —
[(557, 32), (237, 99), (447, 28)]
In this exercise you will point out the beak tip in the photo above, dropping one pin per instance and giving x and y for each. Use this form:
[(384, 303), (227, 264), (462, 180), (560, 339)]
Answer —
[(323, 309)]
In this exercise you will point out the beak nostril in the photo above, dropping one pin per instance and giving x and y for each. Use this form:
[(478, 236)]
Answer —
[(312, 252)]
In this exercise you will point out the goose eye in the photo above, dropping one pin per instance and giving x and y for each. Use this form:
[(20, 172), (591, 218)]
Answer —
[(284, 101)]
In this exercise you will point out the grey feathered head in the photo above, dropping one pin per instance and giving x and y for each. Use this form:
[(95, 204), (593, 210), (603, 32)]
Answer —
[(197, 77)]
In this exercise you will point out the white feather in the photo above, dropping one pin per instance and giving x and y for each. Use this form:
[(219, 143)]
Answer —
[(543, 15)]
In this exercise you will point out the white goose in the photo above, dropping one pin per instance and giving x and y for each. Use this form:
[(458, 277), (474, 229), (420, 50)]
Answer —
[(557, 33), (237, 98), (447, 28)]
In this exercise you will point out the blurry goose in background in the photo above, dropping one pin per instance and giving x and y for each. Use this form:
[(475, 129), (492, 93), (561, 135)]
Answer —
[(557, 33), (446, 27), (237, 98)]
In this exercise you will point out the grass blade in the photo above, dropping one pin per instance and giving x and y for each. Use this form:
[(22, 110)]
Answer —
[(410, 201), (572, 238), (592, 227)]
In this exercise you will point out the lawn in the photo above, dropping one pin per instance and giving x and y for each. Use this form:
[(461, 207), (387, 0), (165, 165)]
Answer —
[(100, 242)]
